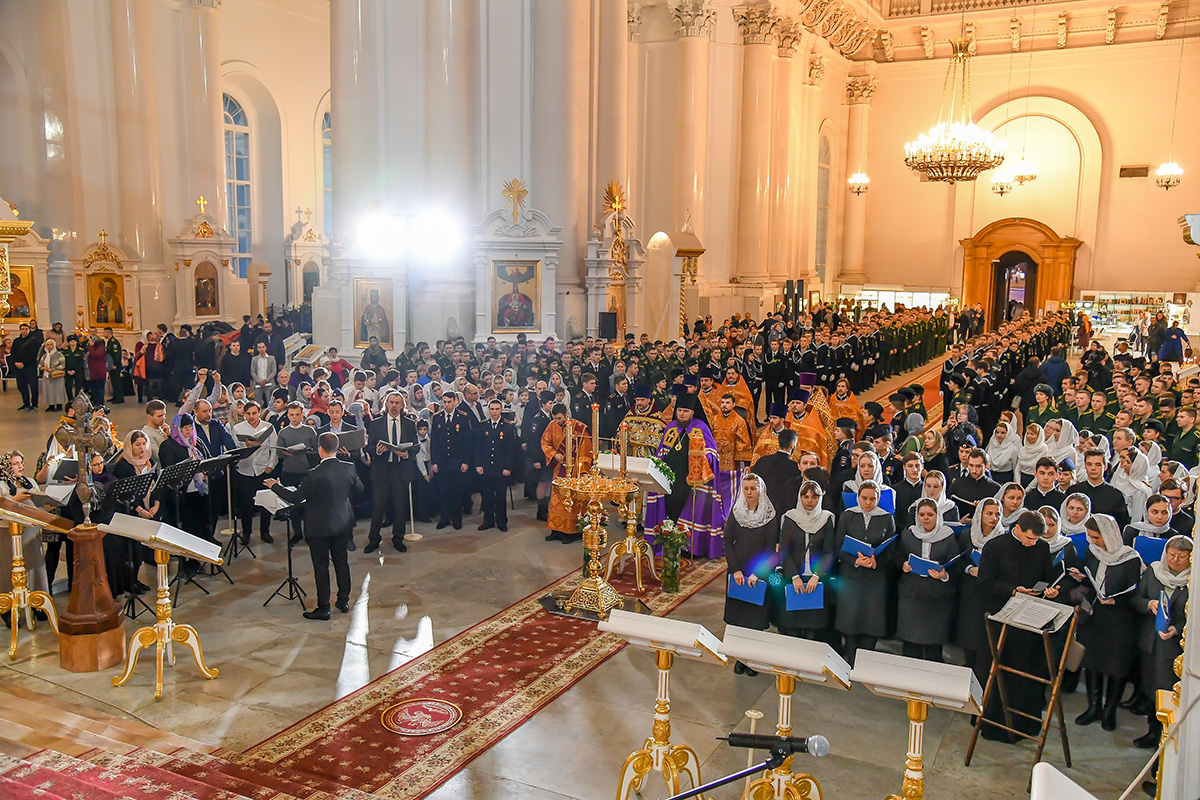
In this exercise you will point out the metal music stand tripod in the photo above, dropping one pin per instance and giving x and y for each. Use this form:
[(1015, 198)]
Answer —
[(127, 494), (234, 547), (294, 590), (174, 480), (210, 467)]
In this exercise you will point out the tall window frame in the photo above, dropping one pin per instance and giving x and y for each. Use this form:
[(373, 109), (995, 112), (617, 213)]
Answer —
[(239, 182), (824, 181), (327, 171)]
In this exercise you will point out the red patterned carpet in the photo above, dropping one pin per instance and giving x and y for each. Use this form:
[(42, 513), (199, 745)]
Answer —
[(499, 673)]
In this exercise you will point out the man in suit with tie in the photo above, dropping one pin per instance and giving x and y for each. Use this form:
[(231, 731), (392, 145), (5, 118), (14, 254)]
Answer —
[(451, 454), (391, 470), (330, 521), (496, 449)]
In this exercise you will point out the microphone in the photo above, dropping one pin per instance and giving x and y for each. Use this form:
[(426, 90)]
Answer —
[(817, 746)]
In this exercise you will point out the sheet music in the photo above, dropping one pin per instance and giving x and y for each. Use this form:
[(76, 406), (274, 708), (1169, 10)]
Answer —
[(1033, 614), (265, 498)]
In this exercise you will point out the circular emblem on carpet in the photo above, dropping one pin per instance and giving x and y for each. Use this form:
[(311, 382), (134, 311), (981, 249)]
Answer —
[(421, 716)]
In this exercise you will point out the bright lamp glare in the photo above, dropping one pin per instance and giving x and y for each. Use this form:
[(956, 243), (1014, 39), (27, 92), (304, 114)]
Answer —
[(381, 236), (437, 236)]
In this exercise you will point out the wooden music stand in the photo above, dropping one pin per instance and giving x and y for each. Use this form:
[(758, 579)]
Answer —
[(18, 516), (1005, 620), (165, 541)]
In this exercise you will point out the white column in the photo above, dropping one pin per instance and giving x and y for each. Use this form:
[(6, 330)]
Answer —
[(203, 113), (137, 144), (758, 27), (449, 106), (355, 110), (859, 90), (784, 209), (694, 20), (612, 89)]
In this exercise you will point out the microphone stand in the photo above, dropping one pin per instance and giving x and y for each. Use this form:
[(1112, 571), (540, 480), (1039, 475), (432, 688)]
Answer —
[(774, 761)]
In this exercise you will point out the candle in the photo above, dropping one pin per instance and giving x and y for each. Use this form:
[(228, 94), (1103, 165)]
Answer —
[(623, 437), (570, 460), (595, 433)]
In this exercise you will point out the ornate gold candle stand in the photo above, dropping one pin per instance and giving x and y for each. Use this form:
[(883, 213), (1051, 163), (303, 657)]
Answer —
[(632, 545), (20, 597), (163, 634)]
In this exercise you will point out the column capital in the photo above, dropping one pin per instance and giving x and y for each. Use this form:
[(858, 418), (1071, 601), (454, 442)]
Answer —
[(758, 24), (859, 89), (634, 17), (789, 37), (204, 3), (694, 18), (816, 69)]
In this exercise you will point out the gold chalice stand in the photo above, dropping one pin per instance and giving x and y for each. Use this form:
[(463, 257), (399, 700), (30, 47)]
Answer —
[(21, 598), (632, 545)]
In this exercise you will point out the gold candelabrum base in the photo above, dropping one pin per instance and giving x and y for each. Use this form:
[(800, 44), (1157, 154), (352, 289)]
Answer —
[(631, 545), (594, 594), (20, 598), (781, 783), (657, 753), (163, 634), (914, 774)]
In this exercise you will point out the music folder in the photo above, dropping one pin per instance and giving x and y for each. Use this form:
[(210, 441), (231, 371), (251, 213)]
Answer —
[(353, 439), (161, 536)]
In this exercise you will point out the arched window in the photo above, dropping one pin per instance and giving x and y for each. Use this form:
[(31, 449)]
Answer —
[(824, 169), (237, 181), (327, 171)]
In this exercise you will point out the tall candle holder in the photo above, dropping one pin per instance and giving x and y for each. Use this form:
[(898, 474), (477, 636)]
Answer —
[(632, 545)]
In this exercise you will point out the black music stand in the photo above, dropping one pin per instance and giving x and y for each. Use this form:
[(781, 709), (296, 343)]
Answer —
[(210, 467), (126, 494), (294, 590), (174, 480), (234, 547)]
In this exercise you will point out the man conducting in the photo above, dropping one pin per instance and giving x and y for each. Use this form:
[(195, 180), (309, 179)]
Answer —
[(330, 521)]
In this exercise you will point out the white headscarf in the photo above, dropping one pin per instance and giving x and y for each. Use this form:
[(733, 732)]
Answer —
[(1010, 520), (1065, 526), (758, 517), (855, 483), (1059, 541), (1003, 455), (1064, 446), (1171, 580), (1143, 526), (1030, 453), (944, 503), (876, 511), (1135, 484), (978, 538), (928, 538), (1114, 552), (1154, 455), (810, 522)]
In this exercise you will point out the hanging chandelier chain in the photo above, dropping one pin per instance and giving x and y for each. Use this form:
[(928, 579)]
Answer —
[(1187, 10)]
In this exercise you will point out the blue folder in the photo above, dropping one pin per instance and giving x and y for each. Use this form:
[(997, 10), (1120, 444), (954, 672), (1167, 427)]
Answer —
[(976, 555), (1080, 541), (1059, 558), (921, 566), (756, 594), (1149, 548), (1164, 613), (858, 547), (804, 601), (887, 499)]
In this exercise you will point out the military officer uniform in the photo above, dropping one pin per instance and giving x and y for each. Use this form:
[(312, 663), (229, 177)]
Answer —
[(450, 452), (496, 450)]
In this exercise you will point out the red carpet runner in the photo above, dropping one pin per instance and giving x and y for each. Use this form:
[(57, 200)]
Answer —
[(500, 673)]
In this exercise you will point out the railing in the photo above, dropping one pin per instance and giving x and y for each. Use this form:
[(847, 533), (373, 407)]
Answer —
[(913, 8)]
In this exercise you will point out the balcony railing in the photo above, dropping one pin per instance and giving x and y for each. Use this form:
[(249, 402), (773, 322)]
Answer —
[(915, 8)]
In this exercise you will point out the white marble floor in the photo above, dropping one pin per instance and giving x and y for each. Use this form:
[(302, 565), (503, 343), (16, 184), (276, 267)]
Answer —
[(277, 667)]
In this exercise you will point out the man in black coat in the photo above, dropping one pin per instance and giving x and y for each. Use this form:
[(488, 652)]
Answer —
[(968, 490), (1106, 498), (497, 446), (391, 470), (539, 471), (781, 473), (451, 451), (181, 363), (330, 521), (23, 359)]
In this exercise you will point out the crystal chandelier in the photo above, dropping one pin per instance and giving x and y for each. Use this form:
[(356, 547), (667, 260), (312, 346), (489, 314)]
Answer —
[(955, 149), (859, 183), (1024, 171), (1002, 183), (1168, 175)]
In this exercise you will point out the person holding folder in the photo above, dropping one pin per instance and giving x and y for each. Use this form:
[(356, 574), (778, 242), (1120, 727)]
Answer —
[(391, 440), (330, 521), (862, 608), (1161, 600), (805, 535), (926, 604), (296, 442), (751, 537)]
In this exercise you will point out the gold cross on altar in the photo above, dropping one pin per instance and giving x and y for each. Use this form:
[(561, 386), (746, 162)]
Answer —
[(515, 192), (308, 215), (202, 203), (103, 237)]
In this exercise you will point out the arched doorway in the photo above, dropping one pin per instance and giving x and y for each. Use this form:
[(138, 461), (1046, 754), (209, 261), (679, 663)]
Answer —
[(1015, 285), (312, 279), (984, 281)]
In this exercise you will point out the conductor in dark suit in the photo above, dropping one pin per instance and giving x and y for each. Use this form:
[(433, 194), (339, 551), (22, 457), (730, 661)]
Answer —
[(391, 471), (781, 473), (496, 448), (330, 520)]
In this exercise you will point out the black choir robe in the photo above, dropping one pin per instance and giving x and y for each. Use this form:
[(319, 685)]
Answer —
[(862, 602), (748, 549)]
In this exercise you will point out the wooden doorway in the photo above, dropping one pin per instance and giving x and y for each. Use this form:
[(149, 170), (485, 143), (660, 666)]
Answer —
[(1015, 283), (984, 281)]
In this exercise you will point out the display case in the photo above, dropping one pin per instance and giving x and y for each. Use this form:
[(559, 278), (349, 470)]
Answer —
[(879, 297), (1116, 312)]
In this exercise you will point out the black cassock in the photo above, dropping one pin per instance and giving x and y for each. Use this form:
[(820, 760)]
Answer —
[(1110, 632), (792, 547), (926, 604), (750, 550), (1006, 564), (1158, 654), (862, 602)]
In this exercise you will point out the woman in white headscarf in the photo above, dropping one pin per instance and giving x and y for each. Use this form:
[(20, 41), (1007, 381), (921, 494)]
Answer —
[(1132, 477), (1166, 580), (1033, 448), (862, 607), (1011, 498), (751, 540), (1002, 450), (1154, 455), (926, 609), (1065, 440), (935, 490), (1155, 522), (805, 536), (1109, 632), (985, 527), (1062, 549), (870, 470)]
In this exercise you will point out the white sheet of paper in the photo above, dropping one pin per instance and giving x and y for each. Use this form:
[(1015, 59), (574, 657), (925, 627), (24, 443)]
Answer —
[(265, 498)]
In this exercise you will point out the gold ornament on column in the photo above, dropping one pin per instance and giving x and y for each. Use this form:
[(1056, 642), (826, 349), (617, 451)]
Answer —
[(515, 193), (614, 203)]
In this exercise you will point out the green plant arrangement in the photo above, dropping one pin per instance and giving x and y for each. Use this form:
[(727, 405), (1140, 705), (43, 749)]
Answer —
[(663, 468), (672, 539)]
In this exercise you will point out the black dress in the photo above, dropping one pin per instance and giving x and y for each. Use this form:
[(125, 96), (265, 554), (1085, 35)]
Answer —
[(1007, 564), (1158, 654), (745, 547), (862, 593), (792, 546), (926, 604), (1110, 632)]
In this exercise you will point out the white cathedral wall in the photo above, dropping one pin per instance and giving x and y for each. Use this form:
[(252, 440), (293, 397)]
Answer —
[(1123, 93)]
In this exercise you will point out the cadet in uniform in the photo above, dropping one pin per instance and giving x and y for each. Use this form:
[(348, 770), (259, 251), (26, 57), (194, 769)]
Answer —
[(496, 448)]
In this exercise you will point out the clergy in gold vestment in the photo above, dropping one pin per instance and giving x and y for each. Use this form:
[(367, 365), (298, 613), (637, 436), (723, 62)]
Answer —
[(732, 435), (735, 384), (645, 428), (810, 434), (845, 404), (768, 436), (562, 523)]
